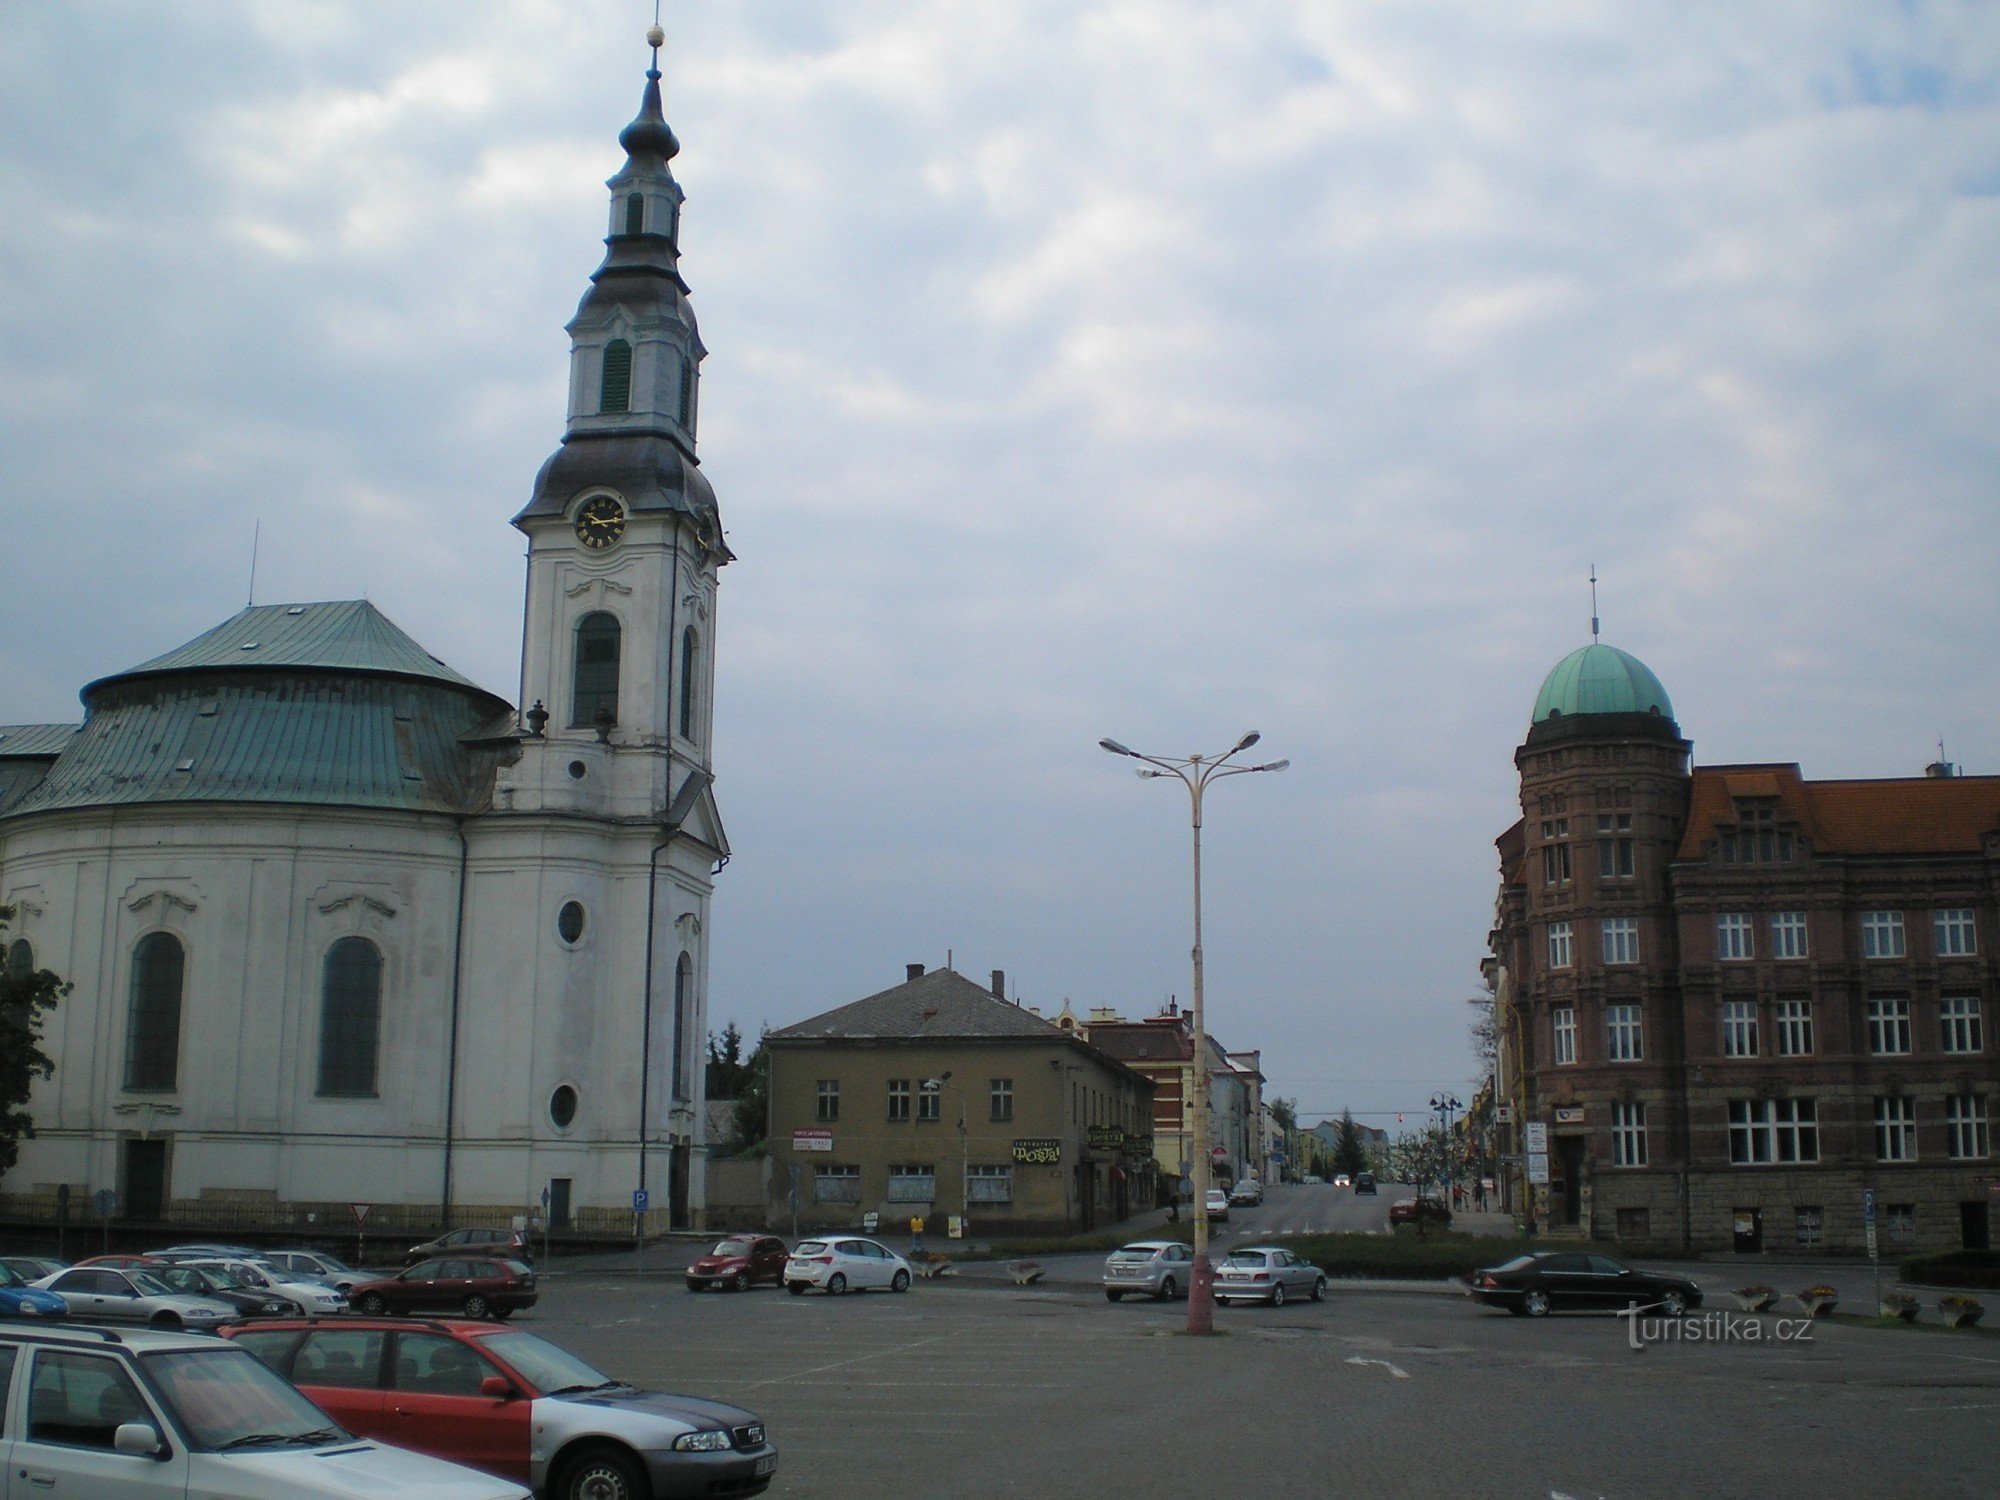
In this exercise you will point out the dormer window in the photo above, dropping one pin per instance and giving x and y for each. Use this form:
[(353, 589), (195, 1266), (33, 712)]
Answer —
[(635, 213), (1757, 840), (615, 389)]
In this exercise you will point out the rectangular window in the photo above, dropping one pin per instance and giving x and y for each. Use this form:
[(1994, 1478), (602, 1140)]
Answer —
[(1882, 934), (829, 1100), (1795, 1028), (1734, 939), (1739, 1028), (1614, 846), (910, 1183), (836, 1184), (1001, 1094), (1564, 1017), (1889, 1025), (1958, 1020), (1621, 940), (989, 1184), (930, 1098), (1558, 945), (899, 1098), (1966, 1137), (1628, 1135), (1788, 934), (1773, 1130), (1622, 1039), (1896, 1129), (1757, 840), (1810, 1225), (1901, 1220), (1952, 926), (1555, 855)]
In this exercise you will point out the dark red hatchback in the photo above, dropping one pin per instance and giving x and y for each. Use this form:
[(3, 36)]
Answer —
[(473, 1285), (739, 1263)]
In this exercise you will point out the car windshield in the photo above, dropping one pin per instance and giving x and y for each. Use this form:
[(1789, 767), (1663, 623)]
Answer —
[(228, 1398), (545, 1366), (733, 1248), (328, 1263), (148, 1283), (811, 1247)]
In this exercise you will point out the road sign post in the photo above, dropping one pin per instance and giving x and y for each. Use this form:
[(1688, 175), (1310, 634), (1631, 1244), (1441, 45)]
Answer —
[(639, 1202), (1868, 1226)]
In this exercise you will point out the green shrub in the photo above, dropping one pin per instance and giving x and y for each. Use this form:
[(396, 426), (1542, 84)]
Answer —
[(1440, 1254), (1969, 1268)]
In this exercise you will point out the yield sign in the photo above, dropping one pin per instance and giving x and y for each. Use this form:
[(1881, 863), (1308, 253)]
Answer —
[(361, 1212)]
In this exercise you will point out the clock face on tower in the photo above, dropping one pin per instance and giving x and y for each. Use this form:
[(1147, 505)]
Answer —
[(600, 522)]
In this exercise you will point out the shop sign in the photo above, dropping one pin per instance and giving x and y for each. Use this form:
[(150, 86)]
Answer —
[(1569, 1114), (812, 1140), (1038, 1151), (1107, 1137)]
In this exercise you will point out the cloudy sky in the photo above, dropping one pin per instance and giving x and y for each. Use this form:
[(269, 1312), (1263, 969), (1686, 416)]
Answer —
[(1158, 369)]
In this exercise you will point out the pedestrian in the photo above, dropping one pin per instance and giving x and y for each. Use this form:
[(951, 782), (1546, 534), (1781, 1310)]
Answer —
[(916, 1234)]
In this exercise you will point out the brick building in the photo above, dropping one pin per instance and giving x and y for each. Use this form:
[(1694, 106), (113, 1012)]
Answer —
[(1737, 1000)]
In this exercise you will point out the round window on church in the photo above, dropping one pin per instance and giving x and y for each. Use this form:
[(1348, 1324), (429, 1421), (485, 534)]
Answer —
[(578, 770), (569, 921), (562, 1106)]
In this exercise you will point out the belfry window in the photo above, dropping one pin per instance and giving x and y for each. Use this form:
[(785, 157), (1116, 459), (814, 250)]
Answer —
[(690, 659), (683, 998), (595, 701), (687, 395), (635, 213), (615, 390), (20, 959), (350, 1017), (153, 1032)]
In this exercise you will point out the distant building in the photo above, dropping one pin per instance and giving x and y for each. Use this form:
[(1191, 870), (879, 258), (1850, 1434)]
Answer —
[(940, 1098), (1739, 1002)]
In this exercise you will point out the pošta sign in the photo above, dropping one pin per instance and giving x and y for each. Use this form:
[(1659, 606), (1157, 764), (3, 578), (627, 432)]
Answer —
[(1038, 1151), (1107, 1137)]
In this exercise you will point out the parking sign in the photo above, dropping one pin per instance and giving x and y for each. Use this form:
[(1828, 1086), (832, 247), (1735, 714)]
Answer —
[(639, 1200)]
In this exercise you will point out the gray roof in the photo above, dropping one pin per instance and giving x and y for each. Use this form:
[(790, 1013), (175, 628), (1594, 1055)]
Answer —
[(35, 739), (942, 1005)]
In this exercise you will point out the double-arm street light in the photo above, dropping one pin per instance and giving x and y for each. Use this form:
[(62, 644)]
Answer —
[(1195, 772), (1445, 1106)]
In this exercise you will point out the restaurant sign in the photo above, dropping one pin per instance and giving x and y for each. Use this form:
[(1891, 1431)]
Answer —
[(1038, 1151)]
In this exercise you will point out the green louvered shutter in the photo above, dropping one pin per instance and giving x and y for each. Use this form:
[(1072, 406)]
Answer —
[(616, 391)]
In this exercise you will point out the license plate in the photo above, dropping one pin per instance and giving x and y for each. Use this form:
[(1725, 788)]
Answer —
[(768, 1464)]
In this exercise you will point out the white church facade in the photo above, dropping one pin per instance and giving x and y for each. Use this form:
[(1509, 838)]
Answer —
[(345, 927)]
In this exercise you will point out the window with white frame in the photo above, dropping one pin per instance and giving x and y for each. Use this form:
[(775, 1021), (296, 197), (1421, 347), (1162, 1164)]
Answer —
[(1558, 945), (1952, 927), (1628, 1135), (1739, 1028), (1966, 1133), (1622, 1040), (899, 1098), (1795, 1028), (1565, 1023), (1958, 1020), (1896, 1129), (1788, 934), (1889, 1025), (1555, 856), (1000, 1098), (1621, 940), (910, 1182), (1614, 846), (1773, 1130), (1734, 937), (827, 1098), (989, 1184), (930, 1098), (836, 1184), (1882, 934)]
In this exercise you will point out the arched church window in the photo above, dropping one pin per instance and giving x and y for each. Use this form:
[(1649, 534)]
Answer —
[(635, 213), (153, 1032), (350, 1018), (690, 659), (683, 998), (687, 394), (615, 390), (20, 959), (597, 651)]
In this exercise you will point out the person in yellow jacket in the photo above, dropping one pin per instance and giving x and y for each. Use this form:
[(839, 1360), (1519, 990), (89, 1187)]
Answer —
[(916, 1234)]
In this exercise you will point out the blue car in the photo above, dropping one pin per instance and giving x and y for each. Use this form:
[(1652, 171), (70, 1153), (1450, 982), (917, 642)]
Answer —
[(19, 1300)]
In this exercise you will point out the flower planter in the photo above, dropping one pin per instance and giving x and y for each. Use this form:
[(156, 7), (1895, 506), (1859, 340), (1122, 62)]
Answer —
[(1819, 1301), (1895, 1305), (1961, 1312), (1755, 1299), (1025, 1272)]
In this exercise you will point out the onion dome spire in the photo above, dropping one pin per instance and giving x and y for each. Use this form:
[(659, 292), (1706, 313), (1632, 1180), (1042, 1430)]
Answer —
[(648, 134)]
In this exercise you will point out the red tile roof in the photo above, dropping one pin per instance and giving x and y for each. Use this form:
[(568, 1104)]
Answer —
[(1907, 815)]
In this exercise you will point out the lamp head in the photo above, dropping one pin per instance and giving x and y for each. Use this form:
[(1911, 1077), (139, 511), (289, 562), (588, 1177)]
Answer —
[(1113, 746), (1247, 741)]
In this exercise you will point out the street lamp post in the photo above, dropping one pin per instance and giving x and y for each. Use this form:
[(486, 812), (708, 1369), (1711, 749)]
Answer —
[(1445, 1105), (1195, 772)]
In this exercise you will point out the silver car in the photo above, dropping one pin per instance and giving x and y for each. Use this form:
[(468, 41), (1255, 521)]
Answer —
[(1267, 1273), (310, 1264), (308, 1294), (133, 1296), (1160, 1269)]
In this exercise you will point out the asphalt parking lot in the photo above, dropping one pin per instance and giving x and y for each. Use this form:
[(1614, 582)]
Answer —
[(980, 1388)]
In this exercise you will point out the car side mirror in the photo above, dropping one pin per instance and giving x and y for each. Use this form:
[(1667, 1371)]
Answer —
[(496, 1386), (140, 1439)]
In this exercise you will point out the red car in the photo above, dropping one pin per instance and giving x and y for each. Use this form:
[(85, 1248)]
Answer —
[(739, 1263), (477, 1287), (1416, 1210)]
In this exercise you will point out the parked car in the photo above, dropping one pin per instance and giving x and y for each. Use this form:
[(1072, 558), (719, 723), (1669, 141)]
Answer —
[(342, 1277), (19, 1300), (33, 1267), (155, 1413), (1573, 1281), (1218, 1206), (305, 1294), (1364, 1182), (1246, 1194), (1313, 1179), (1267, 1273), (203, 1281), (841, 1265), (1416, 1210), (512, 1244), (739, 1263), (133, 1296), (477, 1286), (1160, 1269), (503, 1400)]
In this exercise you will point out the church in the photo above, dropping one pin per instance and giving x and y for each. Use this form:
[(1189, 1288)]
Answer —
[(348, 932)]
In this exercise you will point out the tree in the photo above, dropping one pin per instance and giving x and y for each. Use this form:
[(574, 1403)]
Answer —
[(27, 994), (727, 1074), (1350, 1154), (742, 1082), (1485, 1028)]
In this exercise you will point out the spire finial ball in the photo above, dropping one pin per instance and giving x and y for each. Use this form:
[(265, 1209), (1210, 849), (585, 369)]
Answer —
[(655, 38)]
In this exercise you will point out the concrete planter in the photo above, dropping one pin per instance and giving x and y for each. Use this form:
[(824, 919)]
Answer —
[(1897, 1305), (1961, 1312), (1819, 1301), (1755, 1299)]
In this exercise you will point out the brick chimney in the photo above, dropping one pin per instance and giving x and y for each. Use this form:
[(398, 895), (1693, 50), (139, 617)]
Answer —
[(999, 984), (913, 971)]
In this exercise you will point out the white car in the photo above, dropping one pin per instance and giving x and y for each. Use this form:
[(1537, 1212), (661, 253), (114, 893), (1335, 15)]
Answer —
[(1218, 1206), (845, 1264), (311, 1265), (1341, 1179), (310, 1295), (149, 1413), (1267, 1273)]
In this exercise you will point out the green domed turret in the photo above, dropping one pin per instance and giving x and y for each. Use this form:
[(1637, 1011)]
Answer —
[(1600, 679)]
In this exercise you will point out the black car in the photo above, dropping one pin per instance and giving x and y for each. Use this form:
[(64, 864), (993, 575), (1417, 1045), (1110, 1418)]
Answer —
[(1364, 1182), (1574, 1280)]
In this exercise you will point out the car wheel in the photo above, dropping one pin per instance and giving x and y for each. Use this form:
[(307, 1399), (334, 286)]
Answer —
[(1673, 1302), (740, 1282), (602, 1474), (476, 1306), (1278, 1295), (1167, 1290), (836, 1284), (1536, 1304), (1112, 1294), (373, 1305), (900, 1282), (796, 1288), (169, 1321), (1319, 1288)]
